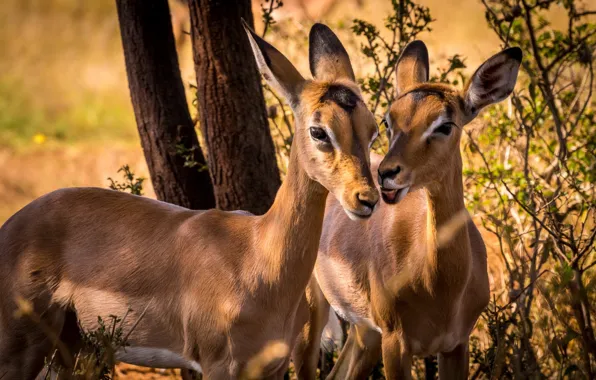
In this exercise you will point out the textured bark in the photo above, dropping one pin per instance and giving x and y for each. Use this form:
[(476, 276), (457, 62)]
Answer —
[(231, 107), (160, 107)]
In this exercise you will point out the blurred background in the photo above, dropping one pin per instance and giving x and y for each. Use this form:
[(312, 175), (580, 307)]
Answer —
[(66, 120), (65, 112)]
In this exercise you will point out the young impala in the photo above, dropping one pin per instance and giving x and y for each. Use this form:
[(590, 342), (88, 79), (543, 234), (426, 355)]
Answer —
[(412, 280), (210, 290)]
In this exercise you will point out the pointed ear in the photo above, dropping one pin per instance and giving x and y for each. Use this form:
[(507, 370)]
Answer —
[(493, 81), (278, 72), (412, 67), (328, 58)]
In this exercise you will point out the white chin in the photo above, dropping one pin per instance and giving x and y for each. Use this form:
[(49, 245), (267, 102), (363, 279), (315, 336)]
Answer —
[(401, 193), (354, 216)]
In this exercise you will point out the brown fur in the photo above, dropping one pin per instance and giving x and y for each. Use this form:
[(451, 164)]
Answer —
[(415, 271), (223, 289)]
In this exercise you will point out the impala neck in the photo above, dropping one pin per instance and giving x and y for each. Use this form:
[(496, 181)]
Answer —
[(291, 229), (448, 259), (447, 196)]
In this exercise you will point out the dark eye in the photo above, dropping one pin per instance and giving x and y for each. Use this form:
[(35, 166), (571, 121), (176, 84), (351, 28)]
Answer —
[(319, 134), (444, 129)]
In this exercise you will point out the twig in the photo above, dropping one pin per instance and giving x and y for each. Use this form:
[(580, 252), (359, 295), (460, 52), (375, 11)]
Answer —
[(135, 324), (283, 112)]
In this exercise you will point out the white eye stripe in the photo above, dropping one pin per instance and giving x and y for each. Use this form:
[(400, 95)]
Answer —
[(433, 126), (332, 137)]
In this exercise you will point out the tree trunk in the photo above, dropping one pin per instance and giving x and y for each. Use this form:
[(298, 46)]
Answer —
[(232, 111), (176, 163)]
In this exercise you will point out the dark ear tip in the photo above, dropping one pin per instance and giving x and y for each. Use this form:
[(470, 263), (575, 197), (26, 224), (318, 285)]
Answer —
[(321, 32), (417, 44), (415, 47), (515, 53), (323, 42), (319, 28)]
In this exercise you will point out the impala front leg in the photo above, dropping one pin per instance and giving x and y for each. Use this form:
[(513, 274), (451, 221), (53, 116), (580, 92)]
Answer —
[(359, 355), (454, 364), (307, 349), (396, 358)]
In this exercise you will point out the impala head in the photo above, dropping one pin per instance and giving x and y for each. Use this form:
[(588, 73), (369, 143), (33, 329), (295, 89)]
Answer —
[(425, 121), (334, 128)]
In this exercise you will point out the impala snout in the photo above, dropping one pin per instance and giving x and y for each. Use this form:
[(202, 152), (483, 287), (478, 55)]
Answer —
[(395, 182), (387, 177), (368, 198), (361, 203)]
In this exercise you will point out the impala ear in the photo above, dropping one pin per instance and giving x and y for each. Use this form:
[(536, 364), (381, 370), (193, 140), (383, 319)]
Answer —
[(328, 58), (278, 72), (493, 81), (412, 67)]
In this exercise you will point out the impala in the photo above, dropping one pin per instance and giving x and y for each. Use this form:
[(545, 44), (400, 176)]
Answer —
[(412, 279), (207, 290)]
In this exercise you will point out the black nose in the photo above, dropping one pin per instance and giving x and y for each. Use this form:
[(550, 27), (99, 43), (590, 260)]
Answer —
[(367, 201), (388, 173)]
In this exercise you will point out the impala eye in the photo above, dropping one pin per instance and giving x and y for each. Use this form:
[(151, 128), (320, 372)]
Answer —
[(319, 134), (444, 129)]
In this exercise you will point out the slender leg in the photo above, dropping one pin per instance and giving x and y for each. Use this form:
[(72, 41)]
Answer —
[(25, 363), (340, 369), (397, 361), (306, 351), (359, 355), (454, 364), (24, 344)]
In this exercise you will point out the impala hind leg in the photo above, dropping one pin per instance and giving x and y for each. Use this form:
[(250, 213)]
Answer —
[(360, 354), (21, 360), (454, 364), (396, 359), (71, 344), (306, 351), (25, 342)]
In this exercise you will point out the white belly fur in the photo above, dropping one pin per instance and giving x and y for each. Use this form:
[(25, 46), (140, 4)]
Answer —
[(155, 357)]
